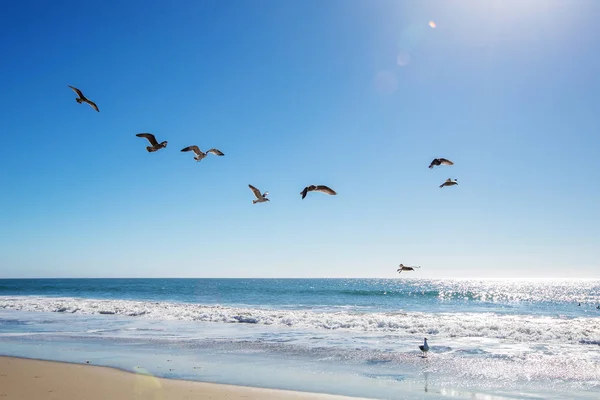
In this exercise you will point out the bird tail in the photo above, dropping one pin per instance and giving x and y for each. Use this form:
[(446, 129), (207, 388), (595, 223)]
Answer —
[(78, 100), (442, 185), (254, 201)]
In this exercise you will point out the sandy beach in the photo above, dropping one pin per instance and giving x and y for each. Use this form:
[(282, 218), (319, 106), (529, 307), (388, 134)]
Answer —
[(26, 379)]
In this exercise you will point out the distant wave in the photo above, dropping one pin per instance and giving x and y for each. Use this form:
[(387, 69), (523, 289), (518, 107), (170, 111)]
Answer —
[(312, 291), (520, 328)]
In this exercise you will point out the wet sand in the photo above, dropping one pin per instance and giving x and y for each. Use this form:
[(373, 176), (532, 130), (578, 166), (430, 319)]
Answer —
[(26, 379)]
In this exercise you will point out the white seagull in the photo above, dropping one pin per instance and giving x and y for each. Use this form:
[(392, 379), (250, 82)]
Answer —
[(425, 347), (260, 198), (440, 161), (449, 182), (200, 154)]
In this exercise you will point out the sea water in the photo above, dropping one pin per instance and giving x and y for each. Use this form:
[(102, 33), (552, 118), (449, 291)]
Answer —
[(489, 339)]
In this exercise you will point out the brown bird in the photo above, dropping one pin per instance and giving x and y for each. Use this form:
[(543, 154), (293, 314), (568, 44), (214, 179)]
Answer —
[(440, 161), (317, 188), (155, 145), (405, 268), (200, 154), (260, 197), (83, 99), (449, 182)]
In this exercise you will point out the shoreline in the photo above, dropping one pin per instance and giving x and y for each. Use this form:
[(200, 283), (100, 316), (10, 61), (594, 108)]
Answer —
[(28, 378)]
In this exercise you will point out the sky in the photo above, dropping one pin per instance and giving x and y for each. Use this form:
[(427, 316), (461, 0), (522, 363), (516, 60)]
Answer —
[(359, 95)]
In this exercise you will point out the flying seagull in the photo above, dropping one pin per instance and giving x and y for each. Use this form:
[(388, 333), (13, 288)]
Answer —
[(155, 145), (440, 161), (83, 99), (425, 347), (200, 154), (405, 268), (449, 182), (317, 188), (260, 198)]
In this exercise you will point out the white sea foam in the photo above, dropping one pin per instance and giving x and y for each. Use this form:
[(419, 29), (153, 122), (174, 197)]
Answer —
[(518, 328)]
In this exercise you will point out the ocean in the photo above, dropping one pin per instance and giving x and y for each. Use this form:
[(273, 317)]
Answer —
[(489, 339)]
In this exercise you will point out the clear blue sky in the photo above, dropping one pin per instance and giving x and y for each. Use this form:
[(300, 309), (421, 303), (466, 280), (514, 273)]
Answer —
[(357, 95)]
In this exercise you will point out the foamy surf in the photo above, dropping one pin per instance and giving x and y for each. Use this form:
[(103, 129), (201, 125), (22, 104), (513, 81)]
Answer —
[(518, 328)]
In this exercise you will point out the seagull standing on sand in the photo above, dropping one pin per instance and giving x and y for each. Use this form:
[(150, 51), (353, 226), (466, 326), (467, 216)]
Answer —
[(83, 99), (425, 347), (405, 268), (317, 188), (155, 145), (260, 198), (449, 182), (440, 161), (200, 154)]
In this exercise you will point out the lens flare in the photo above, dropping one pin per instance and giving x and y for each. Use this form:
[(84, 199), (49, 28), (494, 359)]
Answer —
[(432, 24), (147, 385), (403, 58)]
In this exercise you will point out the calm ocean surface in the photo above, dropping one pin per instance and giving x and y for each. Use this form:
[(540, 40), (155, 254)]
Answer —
[(489, 339)]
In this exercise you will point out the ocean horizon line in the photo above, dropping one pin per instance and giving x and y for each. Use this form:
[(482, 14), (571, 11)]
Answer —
[(327, 277)]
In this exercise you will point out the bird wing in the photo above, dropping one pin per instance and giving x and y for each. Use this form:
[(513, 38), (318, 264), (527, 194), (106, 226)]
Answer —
[(445, 161), (193, 148), (91, 103), (325, 189), (150, 138), (77, 91), (216, 152), (435, 161), (304, 192), (255, 191)]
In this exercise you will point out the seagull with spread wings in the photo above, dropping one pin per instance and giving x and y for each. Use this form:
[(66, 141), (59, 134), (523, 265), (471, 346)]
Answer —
[(83, 99), (449, 182), (440, 161), (260, 198), (200, 154), (155, 145), (317, 188), (405, 268)]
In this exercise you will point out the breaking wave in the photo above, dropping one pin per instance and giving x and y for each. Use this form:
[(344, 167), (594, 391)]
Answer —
[(519, 328)]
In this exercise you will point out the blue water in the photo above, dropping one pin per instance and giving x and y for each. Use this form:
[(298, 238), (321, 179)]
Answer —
[(499, 338)]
